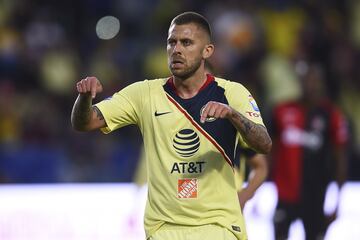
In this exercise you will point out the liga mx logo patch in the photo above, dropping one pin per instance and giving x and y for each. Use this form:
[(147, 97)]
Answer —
[(186, 142), (253, 104), (187, 188)]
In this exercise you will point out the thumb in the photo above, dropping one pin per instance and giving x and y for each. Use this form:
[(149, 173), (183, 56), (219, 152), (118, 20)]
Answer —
[(99, 87), (95, 88), (93, 93)]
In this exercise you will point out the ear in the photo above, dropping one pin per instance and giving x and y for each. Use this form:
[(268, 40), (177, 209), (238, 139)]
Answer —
[(208, 51)]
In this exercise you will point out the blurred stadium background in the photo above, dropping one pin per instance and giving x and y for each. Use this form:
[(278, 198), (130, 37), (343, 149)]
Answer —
[(47, 46)]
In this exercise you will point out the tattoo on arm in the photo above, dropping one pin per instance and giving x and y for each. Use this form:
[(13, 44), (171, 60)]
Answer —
[(254, 134), (81, 113), (99, 115)]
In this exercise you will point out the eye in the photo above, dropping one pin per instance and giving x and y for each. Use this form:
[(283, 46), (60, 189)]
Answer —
[(171, 42), (186, 42)]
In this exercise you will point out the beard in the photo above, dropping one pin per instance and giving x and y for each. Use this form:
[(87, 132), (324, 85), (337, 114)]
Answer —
[(186, 72)]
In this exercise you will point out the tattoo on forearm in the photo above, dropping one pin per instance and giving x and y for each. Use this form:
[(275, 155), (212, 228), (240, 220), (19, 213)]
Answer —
[(81, 113), (247, 125), (98, 113), (254, 134)]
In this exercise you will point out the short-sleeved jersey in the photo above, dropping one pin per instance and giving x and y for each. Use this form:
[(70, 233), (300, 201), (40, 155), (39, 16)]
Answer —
[(189, 163)]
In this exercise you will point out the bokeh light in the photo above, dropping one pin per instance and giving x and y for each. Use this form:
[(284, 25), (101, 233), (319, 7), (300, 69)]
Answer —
[(107, 27)]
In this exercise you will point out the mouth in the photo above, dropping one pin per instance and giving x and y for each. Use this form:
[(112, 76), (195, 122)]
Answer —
[(176, 63), (177, 60)]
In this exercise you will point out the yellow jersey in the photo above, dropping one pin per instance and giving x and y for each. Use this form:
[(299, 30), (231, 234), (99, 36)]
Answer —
[(190, 171)]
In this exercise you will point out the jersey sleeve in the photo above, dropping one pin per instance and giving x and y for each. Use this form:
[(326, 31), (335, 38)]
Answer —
[(242, 101), (123, 108)]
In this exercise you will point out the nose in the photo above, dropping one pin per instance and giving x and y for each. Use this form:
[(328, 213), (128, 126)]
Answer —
[(177, 48)]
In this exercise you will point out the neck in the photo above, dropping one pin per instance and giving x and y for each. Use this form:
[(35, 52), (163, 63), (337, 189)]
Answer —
[(190, 86), (311, 101)]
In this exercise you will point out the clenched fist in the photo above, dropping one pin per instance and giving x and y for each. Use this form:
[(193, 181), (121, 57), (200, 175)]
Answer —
[(214, 110), (89, 85)]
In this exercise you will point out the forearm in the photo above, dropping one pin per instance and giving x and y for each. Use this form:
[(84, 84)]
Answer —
[(82, 112), (255, 181), (255, 135), (258, 173)]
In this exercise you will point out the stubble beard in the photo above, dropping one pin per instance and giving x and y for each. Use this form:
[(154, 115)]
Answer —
[(188, 72)]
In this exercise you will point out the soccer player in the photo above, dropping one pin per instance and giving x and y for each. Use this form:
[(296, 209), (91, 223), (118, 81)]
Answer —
[(191, 123), (309, 151)]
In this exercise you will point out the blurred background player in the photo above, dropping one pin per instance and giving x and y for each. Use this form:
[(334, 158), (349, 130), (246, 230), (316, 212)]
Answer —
[(309, 151)]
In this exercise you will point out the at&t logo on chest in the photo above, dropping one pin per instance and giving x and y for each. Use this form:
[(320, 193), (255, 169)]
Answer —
[(186, 143)]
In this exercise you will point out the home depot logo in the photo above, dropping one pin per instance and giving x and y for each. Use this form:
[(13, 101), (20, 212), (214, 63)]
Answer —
[(187, 188)]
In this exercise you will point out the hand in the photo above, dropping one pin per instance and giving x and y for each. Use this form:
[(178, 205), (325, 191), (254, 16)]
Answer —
[(215, 110), (89, 85), (243, 197)]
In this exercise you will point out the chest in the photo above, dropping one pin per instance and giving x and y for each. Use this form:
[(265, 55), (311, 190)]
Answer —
[(297, 127)]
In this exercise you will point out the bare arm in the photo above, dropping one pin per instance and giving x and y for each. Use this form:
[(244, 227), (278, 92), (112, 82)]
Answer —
[(84, 116), (255, 135), (258, 174)]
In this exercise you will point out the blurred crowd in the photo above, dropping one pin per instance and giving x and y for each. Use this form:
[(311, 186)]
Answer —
[(47, 46)]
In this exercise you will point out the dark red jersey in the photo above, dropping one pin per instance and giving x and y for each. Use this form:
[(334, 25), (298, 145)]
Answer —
[(303, 140)]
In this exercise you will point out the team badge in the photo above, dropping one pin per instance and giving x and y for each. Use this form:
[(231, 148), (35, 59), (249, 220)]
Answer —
[(187, 188)]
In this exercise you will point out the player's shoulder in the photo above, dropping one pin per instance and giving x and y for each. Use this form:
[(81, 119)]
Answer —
[(229, 84), (232, 88), (149, 82), (156, 82), (331, 108), (144, 85), (287, 106)]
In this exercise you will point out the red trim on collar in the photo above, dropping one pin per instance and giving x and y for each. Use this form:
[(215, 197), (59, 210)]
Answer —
[(170, 81), (209, 78)]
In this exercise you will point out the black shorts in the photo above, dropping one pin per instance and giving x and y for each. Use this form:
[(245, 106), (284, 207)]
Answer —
[(311, 214)]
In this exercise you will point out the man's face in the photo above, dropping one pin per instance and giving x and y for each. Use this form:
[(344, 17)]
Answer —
[(312, 85), (185, 49)]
